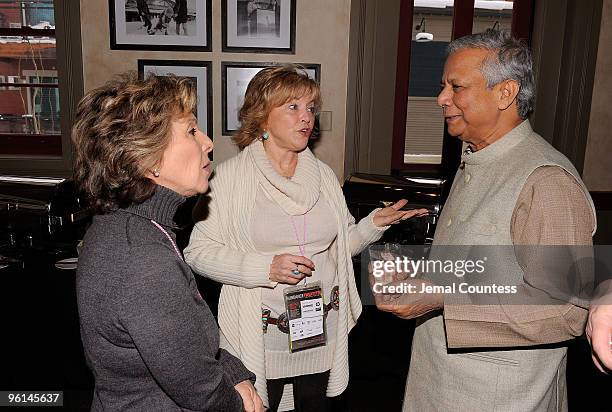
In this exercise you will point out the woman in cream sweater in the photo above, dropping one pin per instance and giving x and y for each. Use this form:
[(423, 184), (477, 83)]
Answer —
[(277, 217)]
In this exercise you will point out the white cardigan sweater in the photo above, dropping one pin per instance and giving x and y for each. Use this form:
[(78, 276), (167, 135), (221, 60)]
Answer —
[(221, 249)]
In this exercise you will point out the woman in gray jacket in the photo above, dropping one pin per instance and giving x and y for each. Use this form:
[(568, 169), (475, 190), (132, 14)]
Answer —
[(149, 337)]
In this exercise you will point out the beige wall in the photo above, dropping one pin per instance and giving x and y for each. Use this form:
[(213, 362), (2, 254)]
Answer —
[(322, 36), (597, 170)]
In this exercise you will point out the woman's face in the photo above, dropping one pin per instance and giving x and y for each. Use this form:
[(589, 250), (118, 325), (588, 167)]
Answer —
[(290, 125), (185, 166)]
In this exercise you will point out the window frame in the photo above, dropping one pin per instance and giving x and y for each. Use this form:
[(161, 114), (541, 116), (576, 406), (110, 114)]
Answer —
[(70, 77)]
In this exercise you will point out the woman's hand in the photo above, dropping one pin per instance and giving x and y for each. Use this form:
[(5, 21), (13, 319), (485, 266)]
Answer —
[(250, 399), (392, 214), (290, 269)]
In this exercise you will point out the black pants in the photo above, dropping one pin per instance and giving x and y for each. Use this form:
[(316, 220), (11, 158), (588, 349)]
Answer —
[(308, 392)]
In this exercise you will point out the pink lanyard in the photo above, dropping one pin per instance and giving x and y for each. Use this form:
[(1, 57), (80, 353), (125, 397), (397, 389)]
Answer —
[(301, 246), (169, 238)]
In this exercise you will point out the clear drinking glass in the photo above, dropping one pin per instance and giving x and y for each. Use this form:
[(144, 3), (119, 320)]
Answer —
[(382, 272)]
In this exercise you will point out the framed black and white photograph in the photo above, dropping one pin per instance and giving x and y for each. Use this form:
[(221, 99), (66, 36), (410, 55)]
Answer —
[(176, 25), (258, 26), (235, 78), (200, 74)]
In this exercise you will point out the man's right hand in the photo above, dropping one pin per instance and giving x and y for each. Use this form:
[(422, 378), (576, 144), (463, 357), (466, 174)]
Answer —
[(250, 399)]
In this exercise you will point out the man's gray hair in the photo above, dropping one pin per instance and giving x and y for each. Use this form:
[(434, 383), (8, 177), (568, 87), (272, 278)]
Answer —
[(510, 60)]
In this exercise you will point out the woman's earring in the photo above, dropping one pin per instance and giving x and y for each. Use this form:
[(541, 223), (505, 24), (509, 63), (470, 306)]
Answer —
[(265, 136), (156, 173)]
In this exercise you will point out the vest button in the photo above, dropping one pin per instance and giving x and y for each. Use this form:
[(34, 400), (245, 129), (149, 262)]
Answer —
[(467, 177), (450, 222)]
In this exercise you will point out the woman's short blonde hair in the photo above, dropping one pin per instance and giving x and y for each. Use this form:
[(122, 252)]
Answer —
[(120, 134), (270, 88)]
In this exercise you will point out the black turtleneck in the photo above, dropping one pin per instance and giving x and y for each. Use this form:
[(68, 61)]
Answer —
[(149, 337)]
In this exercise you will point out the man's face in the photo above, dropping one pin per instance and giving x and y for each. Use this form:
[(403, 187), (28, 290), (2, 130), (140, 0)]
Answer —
[(470, 108)]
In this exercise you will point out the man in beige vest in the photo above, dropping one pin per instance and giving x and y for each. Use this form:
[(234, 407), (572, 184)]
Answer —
[(513, 188)]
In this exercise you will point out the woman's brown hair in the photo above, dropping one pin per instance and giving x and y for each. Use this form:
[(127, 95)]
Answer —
[(120, 134), (270, 88)]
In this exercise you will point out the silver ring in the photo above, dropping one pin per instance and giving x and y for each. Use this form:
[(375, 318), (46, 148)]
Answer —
[(295, 272)]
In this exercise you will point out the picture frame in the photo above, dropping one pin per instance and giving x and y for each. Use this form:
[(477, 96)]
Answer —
[(235, 77), (258, 26), (199, 71), (153, 25)]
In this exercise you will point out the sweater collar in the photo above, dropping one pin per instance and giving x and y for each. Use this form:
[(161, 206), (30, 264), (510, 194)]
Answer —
[(161, 207), (500, 147), (297, 195)]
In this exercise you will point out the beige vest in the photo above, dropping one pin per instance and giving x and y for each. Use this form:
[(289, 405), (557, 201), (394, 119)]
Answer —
[(479, 212)]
